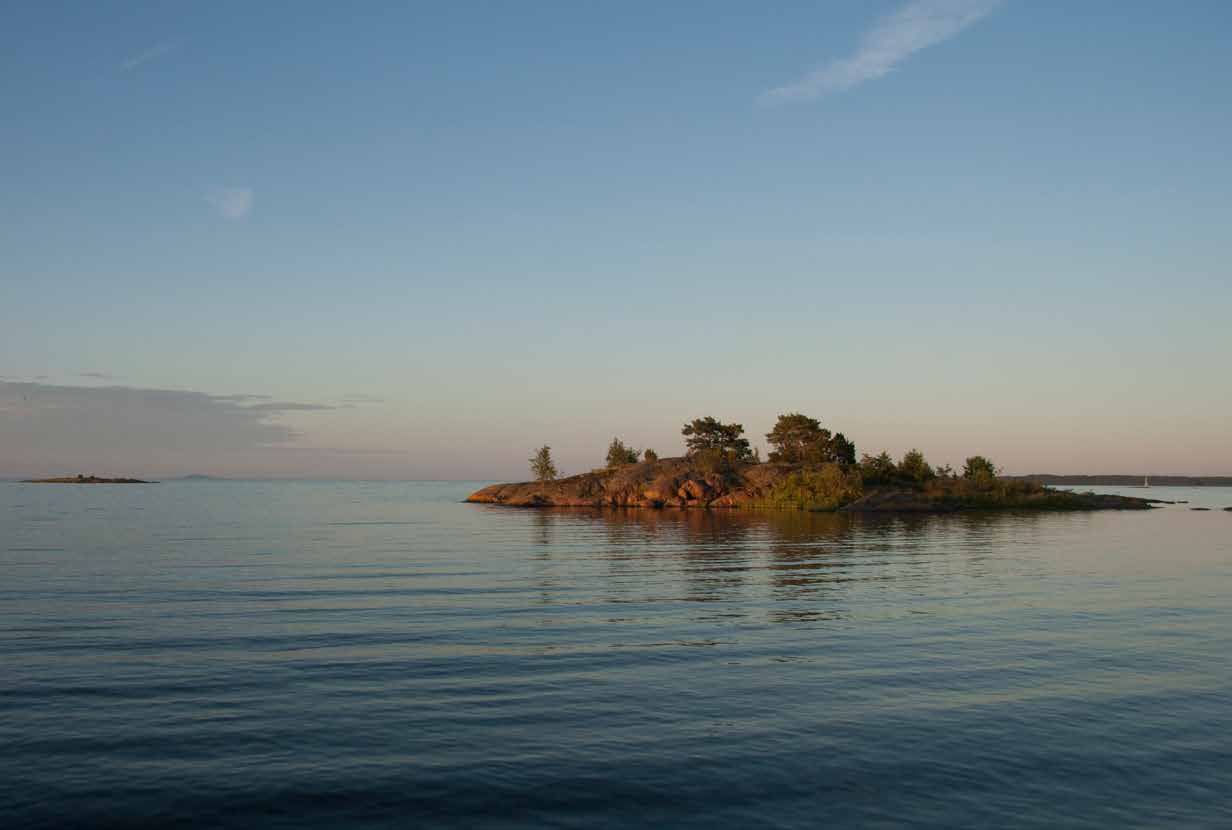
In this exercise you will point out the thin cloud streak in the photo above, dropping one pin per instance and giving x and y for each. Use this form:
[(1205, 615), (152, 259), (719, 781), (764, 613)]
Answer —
[(288, 407), (242, 398), (152, 54), (231, 202), (915, 26)]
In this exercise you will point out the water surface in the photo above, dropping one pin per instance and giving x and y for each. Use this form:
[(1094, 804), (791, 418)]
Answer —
[(377, 654)]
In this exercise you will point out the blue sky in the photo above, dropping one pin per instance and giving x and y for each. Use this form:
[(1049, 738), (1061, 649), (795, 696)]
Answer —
[(426, 238)]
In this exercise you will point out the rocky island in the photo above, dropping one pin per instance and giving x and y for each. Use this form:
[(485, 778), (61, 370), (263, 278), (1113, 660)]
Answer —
[(79, 479), (809, 469)]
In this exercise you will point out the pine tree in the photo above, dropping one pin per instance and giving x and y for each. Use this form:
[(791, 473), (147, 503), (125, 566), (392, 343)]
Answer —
[(541, 464)]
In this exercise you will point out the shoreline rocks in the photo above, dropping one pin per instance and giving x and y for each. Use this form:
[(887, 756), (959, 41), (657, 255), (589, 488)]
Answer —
[(684, 483)]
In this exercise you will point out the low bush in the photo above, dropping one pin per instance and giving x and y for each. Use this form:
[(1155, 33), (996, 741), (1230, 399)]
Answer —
[(827, 487), (986, 491), (715, 462)]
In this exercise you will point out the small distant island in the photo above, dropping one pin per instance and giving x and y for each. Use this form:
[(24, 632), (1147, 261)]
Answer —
[(80, 479), (809, 468)]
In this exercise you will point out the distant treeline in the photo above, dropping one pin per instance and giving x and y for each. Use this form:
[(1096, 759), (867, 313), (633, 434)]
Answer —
[(1128, 481)]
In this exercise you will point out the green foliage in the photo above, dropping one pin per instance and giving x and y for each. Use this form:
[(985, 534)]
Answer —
[(984, 491), (878, 469), (619, 455), (799, 439), (541, 465), (650, 455), (827, 487), (913, 467), (795, 437), (714, 462), (842, 451), (710, 434), (979, 468)]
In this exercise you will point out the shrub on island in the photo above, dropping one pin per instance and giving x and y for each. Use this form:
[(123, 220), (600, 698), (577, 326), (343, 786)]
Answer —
[(824, 487)]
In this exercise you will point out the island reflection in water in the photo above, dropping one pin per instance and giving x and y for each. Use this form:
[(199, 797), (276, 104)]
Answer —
[(790, 566), (341, 654)]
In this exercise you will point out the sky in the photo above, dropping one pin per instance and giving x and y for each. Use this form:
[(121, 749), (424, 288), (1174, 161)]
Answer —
[(418, 240)]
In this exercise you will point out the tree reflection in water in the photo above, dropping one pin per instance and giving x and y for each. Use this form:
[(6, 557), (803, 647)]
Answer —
[(775, 565)]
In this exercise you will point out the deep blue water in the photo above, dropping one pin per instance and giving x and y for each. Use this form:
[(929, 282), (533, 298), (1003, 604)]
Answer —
[(247, 654)]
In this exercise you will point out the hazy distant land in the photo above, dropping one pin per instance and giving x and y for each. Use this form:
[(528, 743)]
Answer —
[(86, 480), (80, 479), (1127, 481)]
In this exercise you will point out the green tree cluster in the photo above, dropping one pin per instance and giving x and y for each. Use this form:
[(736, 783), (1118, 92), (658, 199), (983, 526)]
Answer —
[(842, 451), (618, 455), (878, 469), (799, 439), (913, 467), (650, 455), (709, 435), (979, 468)]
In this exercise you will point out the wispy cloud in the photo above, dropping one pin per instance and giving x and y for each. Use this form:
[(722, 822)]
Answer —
[(915, 26), (242, 398), (152, 54), (279, 406), (125, 430), (54, 418), (231, 202)]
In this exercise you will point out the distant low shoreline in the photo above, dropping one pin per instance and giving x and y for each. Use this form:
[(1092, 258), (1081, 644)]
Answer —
[(86, 480), (1126, 481)]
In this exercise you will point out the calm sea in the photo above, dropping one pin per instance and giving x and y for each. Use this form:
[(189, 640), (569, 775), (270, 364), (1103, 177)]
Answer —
[(249, 654)]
